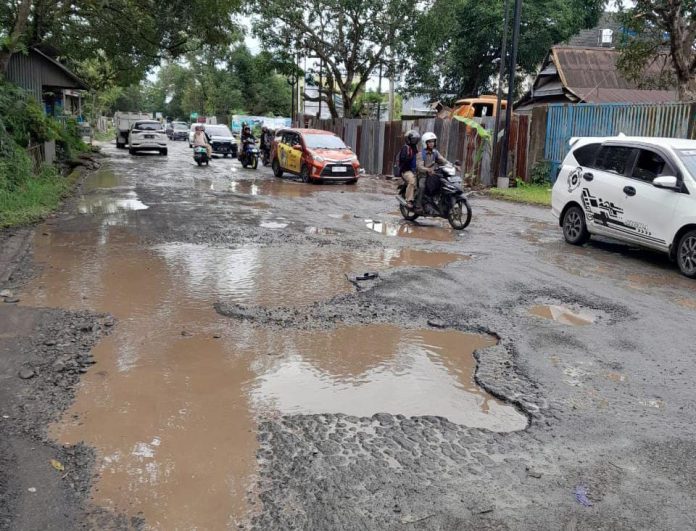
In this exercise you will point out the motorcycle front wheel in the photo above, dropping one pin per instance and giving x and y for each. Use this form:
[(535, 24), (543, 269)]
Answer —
[(408, 214), (255, 163), (460, 214)]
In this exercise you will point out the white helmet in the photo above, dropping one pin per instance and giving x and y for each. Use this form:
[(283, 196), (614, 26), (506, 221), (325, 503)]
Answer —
[(427, 137)]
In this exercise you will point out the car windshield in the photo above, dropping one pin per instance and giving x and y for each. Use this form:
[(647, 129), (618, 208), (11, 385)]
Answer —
[(688, 157), (218, 130), (148, 126), (180, 127), (323, 142)]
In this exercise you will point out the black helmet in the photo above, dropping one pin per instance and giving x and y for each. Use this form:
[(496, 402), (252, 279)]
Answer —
[(413, 137)]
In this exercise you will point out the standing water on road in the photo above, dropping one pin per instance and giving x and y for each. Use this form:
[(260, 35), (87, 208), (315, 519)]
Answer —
[(172, 404)]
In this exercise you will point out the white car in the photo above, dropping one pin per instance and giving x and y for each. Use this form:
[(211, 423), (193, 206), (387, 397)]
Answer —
[(637, 189), (147, 135)]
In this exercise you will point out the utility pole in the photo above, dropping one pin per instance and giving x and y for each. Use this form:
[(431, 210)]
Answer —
[(501, 75), (379, 93), (511, 85)]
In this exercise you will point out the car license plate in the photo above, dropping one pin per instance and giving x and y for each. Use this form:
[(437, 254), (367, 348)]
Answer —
[(339, 169), (149, 136)]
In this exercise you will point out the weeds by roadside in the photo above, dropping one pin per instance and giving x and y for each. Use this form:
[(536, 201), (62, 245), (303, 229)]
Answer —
[(525, 193), (28, 192)]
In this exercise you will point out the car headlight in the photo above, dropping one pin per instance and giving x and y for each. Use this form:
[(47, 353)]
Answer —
[(317, 158)]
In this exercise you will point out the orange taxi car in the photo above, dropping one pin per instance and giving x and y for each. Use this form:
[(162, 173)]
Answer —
[(314, 155)]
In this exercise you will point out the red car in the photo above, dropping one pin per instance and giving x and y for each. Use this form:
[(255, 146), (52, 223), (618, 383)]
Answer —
[(314, 155)]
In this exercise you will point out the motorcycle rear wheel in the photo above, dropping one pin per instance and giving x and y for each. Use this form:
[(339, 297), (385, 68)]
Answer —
[(460, 214)]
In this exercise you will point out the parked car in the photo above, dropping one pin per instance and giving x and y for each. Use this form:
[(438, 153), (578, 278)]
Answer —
[(177, 131), (484, 105), (147, 135), (222, 140), (639, 190), (314, 155)]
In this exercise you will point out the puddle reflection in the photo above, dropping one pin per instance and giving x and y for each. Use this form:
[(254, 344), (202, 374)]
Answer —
[(562, 315), (406, 229)]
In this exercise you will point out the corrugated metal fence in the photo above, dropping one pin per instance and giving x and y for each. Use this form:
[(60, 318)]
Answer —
[(563, 122), (377, 143)]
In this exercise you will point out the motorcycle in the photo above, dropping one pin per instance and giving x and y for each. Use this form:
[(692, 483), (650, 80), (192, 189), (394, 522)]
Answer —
[(266, 155), (250, 155), (449, 202), (200, 155)]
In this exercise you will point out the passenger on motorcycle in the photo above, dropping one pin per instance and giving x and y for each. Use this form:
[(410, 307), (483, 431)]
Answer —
[(427, 160), (201, 138), (407, 165)]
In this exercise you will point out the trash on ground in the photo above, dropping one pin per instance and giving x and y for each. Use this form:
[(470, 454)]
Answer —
[(581, 496)]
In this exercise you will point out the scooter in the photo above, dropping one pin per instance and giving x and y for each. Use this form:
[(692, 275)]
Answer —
[(250, 155), (200, 155), (448, 202)]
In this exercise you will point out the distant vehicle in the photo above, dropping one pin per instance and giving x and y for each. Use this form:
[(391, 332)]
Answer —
[(178, 131), (314, 155), (478, 107), (147, 135), (123, 122), (222, 140), (639, 190)]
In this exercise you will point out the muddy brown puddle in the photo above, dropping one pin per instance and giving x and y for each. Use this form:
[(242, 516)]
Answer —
[(406, 229), (172, 404)]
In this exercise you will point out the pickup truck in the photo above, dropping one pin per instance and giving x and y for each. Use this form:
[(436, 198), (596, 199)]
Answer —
[(123, 122)]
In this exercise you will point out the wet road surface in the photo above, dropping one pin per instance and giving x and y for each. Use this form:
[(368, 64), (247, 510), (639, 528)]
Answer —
[(474, 383)]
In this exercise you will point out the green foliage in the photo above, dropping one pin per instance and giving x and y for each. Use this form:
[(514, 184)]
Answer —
[(36, 197), (24, 195), (540, 173), (457, 43), (659, 47), (352, 37), (525, 193), (134, 35)]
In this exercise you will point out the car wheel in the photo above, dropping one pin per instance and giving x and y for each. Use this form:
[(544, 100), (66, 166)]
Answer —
[(304, 174), (277, 171), (190, 145), (574, 228), (224, 155), (131, 151), (686, 254), (120, 145), (163, 152)]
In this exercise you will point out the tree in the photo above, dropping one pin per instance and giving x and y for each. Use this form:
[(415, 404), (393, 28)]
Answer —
[(457, 43), (661, 33), (351, 37), (134, 34)]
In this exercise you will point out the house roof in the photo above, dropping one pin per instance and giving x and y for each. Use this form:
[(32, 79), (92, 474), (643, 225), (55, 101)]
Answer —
[(593, 37), (77, 82), (591, 74), (577, 74)]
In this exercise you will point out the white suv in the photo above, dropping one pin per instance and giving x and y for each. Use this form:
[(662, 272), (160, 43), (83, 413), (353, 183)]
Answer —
[(147, 135), (637, 189)]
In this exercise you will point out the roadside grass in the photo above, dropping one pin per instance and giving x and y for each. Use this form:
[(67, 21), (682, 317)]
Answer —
[(534, 194), (34, 199), (104, 136)]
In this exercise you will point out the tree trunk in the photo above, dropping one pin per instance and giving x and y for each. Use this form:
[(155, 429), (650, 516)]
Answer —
[(687, 89), (20, 27)]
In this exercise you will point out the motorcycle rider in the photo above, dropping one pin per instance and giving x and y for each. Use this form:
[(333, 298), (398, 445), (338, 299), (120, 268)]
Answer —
[(247, 137), (201, 138), (407, 165), (427, 160), (266, 140)]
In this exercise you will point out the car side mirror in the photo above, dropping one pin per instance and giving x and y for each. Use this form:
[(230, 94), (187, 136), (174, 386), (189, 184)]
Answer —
[(297, 147), (667, 181)]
